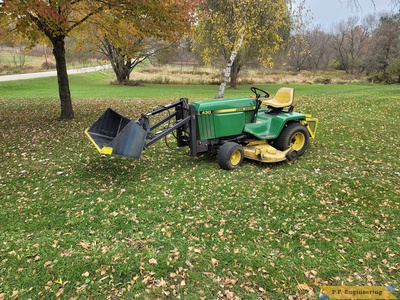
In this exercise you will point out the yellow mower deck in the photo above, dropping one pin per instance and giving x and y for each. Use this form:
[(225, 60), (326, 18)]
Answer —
[(261, 151)]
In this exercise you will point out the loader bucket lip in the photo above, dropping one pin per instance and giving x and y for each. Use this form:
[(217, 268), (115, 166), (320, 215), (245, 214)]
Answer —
[(102, 150)]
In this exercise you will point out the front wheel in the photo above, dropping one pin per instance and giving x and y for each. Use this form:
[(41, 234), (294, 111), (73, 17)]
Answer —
[(230, 156), (295, 136)]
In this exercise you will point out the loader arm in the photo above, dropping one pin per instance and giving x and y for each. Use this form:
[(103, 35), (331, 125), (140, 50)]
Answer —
[(152, 138)]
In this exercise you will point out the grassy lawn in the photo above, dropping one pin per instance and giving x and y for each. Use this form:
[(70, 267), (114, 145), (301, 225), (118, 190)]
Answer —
[(75, 225)]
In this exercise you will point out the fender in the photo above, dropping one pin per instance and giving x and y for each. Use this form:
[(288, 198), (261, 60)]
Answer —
[(269, 126)]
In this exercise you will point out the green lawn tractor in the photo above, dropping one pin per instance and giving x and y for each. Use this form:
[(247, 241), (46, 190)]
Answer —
[(259, 128)]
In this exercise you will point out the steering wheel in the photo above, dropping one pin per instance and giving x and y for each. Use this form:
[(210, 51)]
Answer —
[(255, 89)]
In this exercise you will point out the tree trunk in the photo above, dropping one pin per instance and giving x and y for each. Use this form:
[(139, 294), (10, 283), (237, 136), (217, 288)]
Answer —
[(228, 68), (236, 66), (67, 112), (124, 71), (122, 68)]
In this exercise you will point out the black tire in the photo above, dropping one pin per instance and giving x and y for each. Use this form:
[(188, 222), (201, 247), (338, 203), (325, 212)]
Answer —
[(295, 136), (230, 156)]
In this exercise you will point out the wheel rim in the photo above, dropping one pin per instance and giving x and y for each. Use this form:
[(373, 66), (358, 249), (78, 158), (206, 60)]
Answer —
[(235, 157), (297, 141)]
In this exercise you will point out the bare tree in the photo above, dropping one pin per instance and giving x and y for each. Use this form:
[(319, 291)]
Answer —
[(349, 44), (298, 52), (309, 50), (384, 49), (320, 52)]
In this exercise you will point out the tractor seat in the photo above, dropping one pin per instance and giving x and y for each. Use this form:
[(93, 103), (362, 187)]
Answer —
[(283, 98)]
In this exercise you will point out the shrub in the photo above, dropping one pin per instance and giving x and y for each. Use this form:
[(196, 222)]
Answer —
[(128, 82), (394, 70), (322, 81), (48, 65)]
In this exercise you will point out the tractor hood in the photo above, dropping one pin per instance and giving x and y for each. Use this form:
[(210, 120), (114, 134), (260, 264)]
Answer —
[(222, 117), (224, 105)]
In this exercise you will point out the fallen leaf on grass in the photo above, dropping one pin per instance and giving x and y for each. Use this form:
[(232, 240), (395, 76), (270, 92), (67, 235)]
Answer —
[(60, 291), (214, 261), (85, 245), (303, 287), (85, 274), (189, 264), (47, 263), (14, 295), (152, 261)]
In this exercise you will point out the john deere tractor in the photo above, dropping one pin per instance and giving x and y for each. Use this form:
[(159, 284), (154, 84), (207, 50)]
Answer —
[(260, 128)]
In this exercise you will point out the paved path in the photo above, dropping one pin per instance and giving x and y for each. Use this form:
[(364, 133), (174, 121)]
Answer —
[(51, 73)]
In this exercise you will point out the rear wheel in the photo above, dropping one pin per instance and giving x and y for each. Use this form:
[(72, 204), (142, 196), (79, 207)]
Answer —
[(230, 156), (295, 136)]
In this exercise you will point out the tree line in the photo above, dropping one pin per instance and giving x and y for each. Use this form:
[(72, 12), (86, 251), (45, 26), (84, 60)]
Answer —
[(370, 46), (359, 47)]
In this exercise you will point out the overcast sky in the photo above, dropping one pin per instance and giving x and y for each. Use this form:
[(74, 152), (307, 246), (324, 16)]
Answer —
[(329, 12)]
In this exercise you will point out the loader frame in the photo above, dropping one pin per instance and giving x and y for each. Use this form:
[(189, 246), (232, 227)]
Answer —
[(185, 125), (141, 134)]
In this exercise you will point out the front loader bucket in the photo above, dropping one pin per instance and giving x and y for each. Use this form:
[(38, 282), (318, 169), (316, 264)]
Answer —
[(115, 134)]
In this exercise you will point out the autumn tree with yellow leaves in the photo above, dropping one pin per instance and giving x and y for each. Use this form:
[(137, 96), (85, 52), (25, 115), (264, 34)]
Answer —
[(55, 20), (230, 29), (129, 40)]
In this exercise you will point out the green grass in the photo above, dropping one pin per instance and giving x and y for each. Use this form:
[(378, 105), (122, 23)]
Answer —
[(75, 225), (97, 85)]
